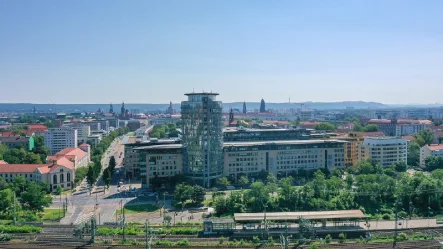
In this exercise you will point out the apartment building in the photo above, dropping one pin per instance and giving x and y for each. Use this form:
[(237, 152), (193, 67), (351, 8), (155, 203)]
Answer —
[(56, 139), (400, 127), (18, 141), (83, 131), (384, 150), (281, 158), (430, 150)]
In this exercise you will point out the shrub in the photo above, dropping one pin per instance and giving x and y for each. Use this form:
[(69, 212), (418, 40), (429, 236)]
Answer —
[(328, 238), (314, 246), (222, 240), (342, 237), (255, 240), (20, 229), (402, 237), (5, 237), (183, 242), (164, 243), (386, 217)]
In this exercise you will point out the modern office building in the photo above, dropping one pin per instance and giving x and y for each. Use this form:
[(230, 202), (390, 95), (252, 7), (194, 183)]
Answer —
[(56, 139), (384, 150), (281, 158), (244, 134), (430, 150), (202, 128), (159, 163), (134, 124)]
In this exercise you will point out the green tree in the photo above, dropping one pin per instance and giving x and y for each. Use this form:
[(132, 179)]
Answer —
[(107, 177), (112, 165), (224, 181), (244, 180), (427, 137), (413, 153), (370, 128), (3, 184), (35, 197), (80, 174), (357, 127), (58, 190), (6, 201), (90, 178), (19, 185), (325, 126), (433, 163), (401, 166)]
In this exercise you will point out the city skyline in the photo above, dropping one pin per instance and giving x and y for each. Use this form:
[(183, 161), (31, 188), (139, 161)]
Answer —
[(153, 52)]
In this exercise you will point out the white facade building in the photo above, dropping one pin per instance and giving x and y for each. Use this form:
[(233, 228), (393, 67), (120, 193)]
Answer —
[(83, 131), (56, 139), (384, 150), (430, 150)]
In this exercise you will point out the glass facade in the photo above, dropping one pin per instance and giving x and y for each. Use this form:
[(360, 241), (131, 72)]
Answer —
[(202, 128)]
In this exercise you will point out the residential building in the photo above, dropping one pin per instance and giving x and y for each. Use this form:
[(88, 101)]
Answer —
[(77, 156), (18, 141), (384, 150), (354, 140), (83, 131), (94, 125), (203, 137), (53, 174), (56, 139), (400, 127), (104, 124), (281, 158), (430, 150)]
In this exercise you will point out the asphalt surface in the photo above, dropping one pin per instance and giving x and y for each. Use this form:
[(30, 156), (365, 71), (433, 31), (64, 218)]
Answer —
[(103, 205)]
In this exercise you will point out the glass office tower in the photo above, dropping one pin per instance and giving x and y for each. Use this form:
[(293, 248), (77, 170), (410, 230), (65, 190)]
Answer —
[(202, 138)]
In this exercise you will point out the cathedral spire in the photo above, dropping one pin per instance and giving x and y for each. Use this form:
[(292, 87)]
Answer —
[(244, 107)]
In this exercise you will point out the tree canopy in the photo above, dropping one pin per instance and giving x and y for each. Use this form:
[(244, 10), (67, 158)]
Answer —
[(325, 126)]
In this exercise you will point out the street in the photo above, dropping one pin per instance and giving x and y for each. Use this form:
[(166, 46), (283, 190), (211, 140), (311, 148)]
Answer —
[(82, 206)]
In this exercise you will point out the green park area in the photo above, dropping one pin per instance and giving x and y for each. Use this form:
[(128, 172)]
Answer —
[(135, 209)]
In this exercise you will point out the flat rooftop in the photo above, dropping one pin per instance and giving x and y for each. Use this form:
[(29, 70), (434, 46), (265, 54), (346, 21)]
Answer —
[(160, 146), (282, 216), (282, 142), (263, 130), (202, 93)]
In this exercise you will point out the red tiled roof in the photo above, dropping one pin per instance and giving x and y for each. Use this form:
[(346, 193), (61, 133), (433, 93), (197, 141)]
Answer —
[(37, 127), (84, 144), (3, 162), (6, 134), (72, 152), (60, 161), (410, 138), (435, 146), (20, 168)]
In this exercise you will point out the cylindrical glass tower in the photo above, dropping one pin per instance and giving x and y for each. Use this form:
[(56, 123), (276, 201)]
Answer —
[(202, 138)]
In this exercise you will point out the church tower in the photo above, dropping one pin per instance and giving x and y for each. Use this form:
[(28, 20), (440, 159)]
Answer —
[(244, 107), (111, 108), (262, 106), (231, 116)]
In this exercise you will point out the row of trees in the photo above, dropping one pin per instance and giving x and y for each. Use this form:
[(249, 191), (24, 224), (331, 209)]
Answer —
[(33, 197), (21, 155), (163, 131), (422, 138), (95, 167), (368, 186)]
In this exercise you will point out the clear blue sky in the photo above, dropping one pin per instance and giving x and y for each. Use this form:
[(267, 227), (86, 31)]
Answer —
[(104, 51)]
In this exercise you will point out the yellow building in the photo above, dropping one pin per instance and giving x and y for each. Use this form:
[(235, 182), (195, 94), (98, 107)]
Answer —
[(354, 140)]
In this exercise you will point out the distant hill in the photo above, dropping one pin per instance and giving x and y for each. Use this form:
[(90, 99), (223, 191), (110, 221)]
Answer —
[(27, 107)]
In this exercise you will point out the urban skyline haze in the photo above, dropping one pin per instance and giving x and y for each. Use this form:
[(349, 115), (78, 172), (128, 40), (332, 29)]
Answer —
[(155, 51)]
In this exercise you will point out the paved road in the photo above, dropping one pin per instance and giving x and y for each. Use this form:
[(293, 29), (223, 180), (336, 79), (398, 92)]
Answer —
[(103, 205)]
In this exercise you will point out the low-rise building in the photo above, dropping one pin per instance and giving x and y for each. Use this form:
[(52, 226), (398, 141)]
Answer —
[(54, 174), (18, 141), (384, 150), (400, 127), (430, 150)]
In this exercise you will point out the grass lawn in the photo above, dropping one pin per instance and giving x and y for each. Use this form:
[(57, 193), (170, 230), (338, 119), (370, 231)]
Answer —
[(135, 209), (51, 214)]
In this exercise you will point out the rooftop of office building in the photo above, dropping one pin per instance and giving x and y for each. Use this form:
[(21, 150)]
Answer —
[(282, 142)]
